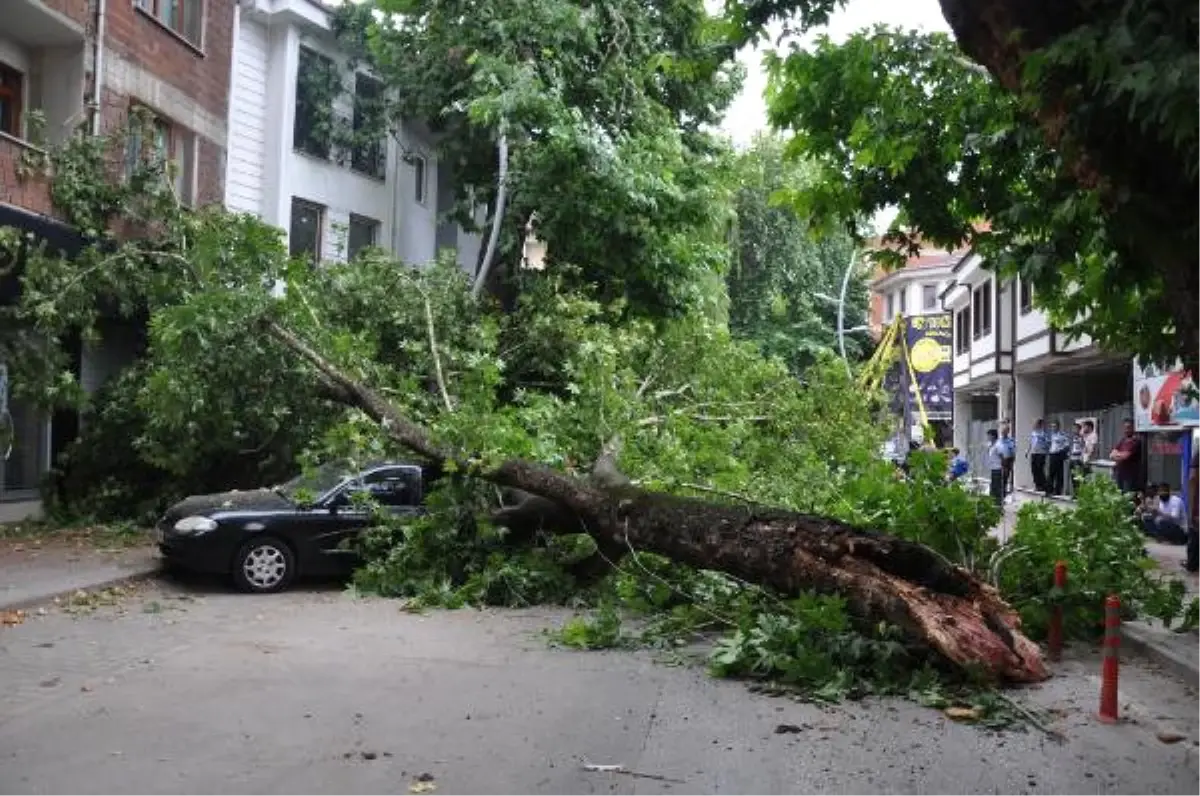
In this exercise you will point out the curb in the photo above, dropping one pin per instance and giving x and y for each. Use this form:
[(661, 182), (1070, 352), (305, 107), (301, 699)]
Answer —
[(140, 573), (1141, 641)]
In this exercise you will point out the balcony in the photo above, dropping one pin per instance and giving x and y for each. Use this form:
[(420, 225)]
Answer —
[(42, 81)]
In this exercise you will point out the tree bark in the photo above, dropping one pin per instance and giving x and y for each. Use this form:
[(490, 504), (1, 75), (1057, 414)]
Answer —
[(881, 576)]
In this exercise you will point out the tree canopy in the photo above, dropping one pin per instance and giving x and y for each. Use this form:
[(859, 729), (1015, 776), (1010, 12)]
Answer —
[(604, 110), (1072, 132), (785, 279)]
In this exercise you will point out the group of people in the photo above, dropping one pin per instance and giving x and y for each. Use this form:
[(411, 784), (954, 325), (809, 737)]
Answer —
[(1054, 456)]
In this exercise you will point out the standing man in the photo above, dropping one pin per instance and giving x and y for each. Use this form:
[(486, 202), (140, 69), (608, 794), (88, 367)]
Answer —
[(1060, 445), (994, 461), (1039, 448), (1075, 461), (1192, 564), (1128, 457), (1010, 455)]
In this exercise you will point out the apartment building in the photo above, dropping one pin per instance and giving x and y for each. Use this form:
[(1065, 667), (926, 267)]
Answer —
[(912, 290), (82, 65), (1010, 363), (330, 203)]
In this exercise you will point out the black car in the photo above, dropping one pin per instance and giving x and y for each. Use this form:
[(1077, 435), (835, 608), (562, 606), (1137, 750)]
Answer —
[(264, 538)]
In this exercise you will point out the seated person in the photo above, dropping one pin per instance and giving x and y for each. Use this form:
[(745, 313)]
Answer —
[(1164, 520), (958, 465)]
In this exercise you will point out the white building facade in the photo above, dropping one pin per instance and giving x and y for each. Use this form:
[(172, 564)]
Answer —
[(330, 204), (1011, 364)]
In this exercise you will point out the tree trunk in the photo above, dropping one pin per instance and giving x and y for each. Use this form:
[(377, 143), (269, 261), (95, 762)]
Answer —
[(881, 576)]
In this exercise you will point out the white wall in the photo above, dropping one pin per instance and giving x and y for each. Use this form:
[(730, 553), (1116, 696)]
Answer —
[(54, 82), (1031, 404), (246, 163)]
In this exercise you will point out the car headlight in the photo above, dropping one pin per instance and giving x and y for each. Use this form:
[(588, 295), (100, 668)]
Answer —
[(195, 525)]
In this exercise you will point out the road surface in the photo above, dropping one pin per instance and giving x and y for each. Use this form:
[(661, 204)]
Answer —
[(179, 690)]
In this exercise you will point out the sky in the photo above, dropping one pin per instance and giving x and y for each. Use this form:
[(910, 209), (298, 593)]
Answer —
[(748, 113)]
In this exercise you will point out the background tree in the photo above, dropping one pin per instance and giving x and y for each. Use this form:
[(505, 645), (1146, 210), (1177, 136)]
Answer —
[(604, 109), (1077, 142), (783, 275)]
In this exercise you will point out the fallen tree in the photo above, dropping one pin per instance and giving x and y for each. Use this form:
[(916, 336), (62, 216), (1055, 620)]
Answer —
[(881, 576)]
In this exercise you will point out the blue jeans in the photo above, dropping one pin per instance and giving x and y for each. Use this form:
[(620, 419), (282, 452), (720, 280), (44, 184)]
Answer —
[(1164, 529)]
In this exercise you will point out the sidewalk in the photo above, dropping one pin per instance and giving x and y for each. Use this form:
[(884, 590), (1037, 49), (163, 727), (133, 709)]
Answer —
[(1179, 653), (37, 570)]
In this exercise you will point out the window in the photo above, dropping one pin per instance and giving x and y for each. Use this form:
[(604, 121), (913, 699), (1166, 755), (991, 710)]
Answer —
[(155, 140), (311, 133), (304, 234), (395, 486), (891, 306), (363, 233), (903, 300), (419, 179), (184, 17), (929, 297), (12, 97), (962, 331), (1026, 290), (368, 155), (981, 309)]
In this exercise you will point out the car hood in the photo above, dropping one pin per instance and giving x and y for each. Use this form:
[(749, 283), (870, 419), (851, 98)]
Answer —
[(252, 500)]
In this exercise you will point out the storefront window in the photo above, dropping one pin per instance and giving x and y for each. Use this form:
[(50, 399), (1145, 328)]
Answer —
[(23, 439)]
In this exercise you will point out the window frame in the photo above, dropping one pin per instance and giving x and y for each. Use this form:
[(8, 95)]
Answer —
[(962, 329), (361, 222), (368, 159), (903, 299), (889, 309), (309, 143), (157, 11), (174, 152), (929, 297), (981, 310), (17, 95), (319, 238), (1025, 296), (420, 179)]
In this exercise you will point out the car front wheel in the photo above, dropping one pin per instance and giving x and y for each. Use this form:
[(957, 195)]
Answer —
[(264, 565)]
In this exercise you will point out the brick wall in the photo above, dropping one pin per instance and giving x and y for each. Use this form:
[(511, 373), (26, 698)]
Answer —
[(150, 64), (31, 193), (202, 75)]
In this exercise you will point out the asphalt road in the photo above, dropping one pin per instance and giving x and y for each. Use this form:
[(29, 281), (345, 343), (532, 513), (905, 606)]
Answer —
[(177, 691)]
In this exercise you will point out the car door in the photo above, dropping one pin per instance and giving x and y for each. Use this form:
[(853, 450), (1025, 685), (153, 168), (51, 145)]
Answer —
[(395, 488)]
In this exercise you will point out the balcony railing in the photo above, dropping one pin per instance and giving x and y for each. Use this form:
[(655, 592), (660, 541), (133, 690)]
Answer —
[(29, 192)]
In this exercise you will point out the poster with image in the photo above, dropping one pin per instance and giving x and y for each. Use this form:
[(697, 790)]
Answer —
[(929, 340), (1164, 400)]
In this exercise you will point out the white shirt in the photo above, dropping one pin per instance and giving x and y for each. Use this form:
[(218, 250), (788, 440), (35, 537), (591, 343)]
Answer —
[(995, 455), (1172, 507)]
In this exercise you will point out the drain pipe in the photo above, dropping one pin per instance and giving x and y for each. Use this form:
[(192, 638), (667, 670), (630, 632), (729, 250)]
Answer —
[(98, 65)]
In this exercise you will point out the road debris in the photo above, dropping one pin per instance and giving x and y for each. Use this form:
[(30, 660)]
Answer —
[(424, 783), (620, 769)]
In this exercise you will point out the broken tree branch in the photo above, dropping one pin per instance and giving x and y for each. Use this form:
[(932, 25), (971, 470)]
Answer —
[(881, 577), (437, 359)]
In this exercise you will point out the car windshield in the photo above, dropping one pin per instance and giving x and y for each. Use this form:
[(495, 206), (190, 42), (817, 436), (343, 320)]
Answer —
[(316, 481)]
